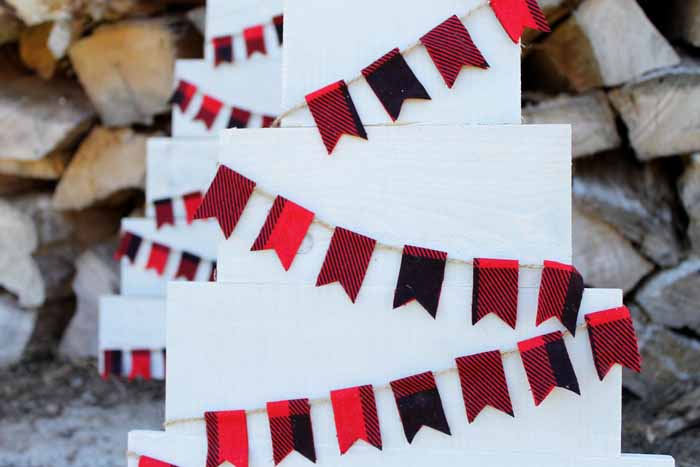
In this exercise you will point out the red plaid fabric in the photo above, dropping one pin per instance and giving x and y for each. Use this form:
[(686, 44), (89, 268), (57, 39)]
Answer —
[(495, 290), (140, 364), (226, 198), (209, 110), (347, 261), (254, 37), (290, 428), (483, 383), (419, 404), (112, 363), (561, 291), (613, 340), (223, 50), (191, 202), (164, 212), (516, 15), (278, 21), (187, 268), (227, 438), (145, 461), (158, 258), (239, 118), (129, 244), (355, 415), (267, 121), (183, 95)]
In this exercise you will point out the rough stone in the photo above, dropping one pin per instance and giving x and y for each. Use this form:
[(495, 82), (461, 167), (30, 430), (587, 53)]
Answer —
[(51, 226), (689, 187), (15, 328)]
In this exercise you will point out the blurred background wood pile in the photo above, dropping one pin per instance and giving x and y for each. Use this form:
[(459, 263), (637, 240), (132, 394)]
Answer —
[(83, 83)]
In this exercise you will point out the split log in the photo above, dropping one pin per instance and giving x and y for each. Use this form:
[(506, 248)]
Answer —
[(613, 41), (686, 20), (661, 112), (689, 187), (592, 119), (50, 167), (198, 18), (9, 26)]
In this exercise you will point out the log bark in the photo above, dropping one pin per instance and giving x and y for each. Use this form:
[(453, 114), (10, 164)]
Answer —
[(50, 167)]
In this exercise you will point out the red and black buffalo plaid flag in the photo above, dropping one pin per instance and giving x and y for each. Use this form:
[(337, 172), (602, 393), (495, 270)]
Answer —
[(226, 198), (267, 121), (355, 415), (290, 427), (158, 257), (140, 364), (613, 340), (227, 438), (393, 81), (335, 114), (547, 365), (112, 364), (561, 291), (495, 289), (483, 383), (223, 50), (254, 37), (209, 110), (347, 261), (191, 202), (164, 212), (188, 266), (284, 230), (419, 404), (278, 21), (145, 461), (183, 95), (420, 278), (239, 118), (212, 272), (128, 246), (516, 15), (451, 47)]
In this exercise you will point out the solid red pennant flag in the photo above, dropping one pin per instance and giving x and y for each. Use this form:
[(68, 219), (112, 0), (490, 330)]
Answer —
[(112, 364), (483, 383), (188, 266), (129, 244), (451, 47), (547, 365), (393, 81), (419, 404), (239, 118), (209, 110), (183, 95), (226, 198), (355, 415), (278, 21), (140, 364), (420, 278), (347, 261), (516, 15), (267, 121), (158, 258), (495, 289), (227, 438), (561, 291), (191, 202), (164, 212), (335, 114), (290, 427), (284, 230), (613, 340), (254, 40), (223, 50), (145, 461)]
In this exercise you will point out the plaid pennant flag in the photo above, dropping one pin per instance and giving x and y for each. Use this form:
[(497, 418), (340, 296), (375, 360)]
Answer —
[(164, 212), (516, 15), (483, 381), (393, 81), (212, 272), (347, 261), (254, 37), (191, 202), (239, 118), (420, 278), (129, 244), (187, 268), (140, 364), (451, 47), (158, 257), (495, 289), (226, 198), (547, 365), (227, 438), (356, 418), (278, 21), (335, 114), (284, 230), (290, 427), (145, 461), (267, 121), (561, 291), (184, 92), (209, 110), (419, 404), (223, 50), (613, 340), (112, 363)]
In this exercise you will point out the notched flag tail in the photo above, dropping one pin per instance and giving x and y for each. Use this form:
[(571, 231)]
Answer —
[(223, 50), (188, 266), (290, 427), (495, 289), (451, 47), (164, 212), (227, 438), (356, 418), (212, 272), (393, 81), (547, 365), (191, 202), (278, 21), (140, 364), (561, 291), (128, 246), (613, 340), (158, 258), (145, 461), (483, 383), (226, 198), (254, 37), (419, 404), (112, 364), (209, 110), (516, 15), (239, 118), (420, 278), (184, 92), (267, 121), (346, 261), (335, 114), (284, 230)]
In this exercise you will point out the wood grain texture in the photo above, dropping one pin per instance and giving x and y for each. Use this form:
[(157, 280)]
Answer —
[(131, 323)]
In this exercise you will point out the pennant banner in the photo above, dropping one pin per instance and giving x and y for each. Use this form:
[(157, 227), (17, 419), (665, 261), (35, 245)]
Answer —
[(158, 258), (253, 37), (227, 438), (128, 246), (419, 404), (356, 418), (613, 340), (226, 198), (290, 427), (420, 278), (560, 295), (140, 364), (346, 261), (209, 110), (184, 92), (187, 268), (145, 461), (254, 40), (495, 289), (164, 212), (223, 50), (165, 208), (483, 383), (516, 15), (112, 364), (278, 21), (191, 202)]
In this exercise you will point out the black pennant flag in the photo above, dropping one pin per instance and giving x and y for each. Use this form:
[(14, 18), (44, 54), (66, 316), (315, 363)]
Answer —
[(420, 278), (419, 404), (393, 82)]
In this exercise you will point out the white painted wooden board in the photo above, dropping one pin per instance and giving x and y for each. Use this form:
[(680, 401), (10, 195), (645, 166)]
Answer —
[(200, 238), (330, 40), (190, 451), (255, 87), (177, 166)]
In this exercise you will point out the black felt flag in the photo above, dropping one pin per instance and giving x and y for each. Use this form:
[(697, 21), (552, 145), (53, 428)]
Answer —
[(420, 278), (419, 404)]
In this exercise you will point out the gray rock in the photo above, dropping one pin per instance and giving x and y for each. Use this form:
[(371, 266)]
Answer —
[(16, 327), (689, 187), (680, 415)]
